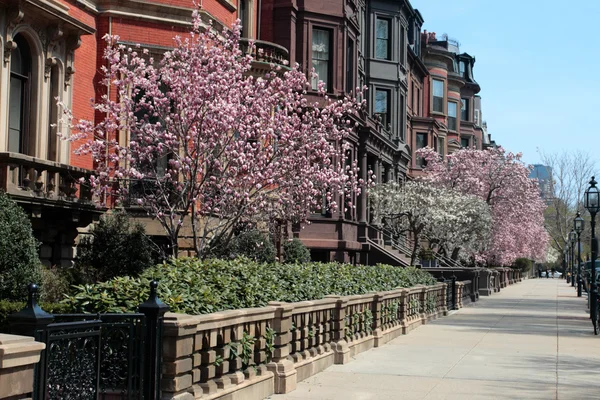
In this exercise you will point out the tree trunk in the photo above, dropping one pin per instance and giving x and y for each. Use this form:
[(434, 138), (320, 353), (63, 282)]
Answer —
[(455, 253)]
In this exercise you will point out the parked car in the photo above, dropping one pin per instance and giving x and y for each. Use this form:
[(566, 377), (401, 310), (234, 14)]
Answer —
[(586, 274), (555, 274)]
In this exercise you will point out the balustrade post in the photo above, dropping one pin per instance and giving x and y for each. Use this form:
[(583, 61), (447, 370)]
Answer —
[(285, 374), (154, 310), (338, 333), (376, 311)]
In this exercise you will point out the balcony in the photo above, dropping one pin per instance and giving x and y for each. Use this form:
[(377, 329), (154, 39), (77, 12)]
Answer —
[(35, 181), (265, 54)]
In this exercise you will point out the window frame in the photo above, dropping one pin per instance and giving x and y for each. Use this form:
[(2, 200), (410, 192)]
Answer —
[(420, 161), (387, 121), (388, 40), (451, 118), (433, 96), (350, 64), (329, 60), (466, 104)]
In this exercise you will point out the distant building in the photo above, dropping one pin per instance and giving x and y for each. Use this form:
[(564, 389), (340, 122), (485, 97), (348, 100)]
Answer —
[(543, 174)]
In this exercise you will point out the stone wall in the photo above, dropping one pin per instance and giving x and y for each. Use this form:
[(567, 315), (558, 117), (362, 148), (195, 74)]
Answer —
[(253, 353)]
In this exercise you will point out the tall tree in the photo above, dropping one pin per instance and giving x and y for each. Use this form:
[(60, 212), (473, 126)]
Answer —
[(501, 180), (201, 138), (570, 172)]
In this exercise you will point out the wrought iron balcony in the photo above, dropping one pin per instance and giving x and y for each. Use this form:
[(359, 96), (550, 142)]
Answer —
[(31, 179), (265, 54)]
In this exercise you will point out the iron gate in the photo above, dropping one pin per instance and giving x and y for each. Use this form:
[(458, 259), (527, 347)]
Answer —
[(95, 356)]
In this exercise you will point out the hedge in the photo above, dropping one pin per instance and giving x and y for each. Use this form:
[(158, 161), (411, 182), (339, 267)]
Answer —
[(195, 286), (11, 307)]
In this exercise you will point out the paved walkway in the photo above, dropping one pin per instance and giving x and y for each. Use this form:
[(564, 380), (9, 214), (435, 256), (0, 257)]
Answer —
[(533, 340)]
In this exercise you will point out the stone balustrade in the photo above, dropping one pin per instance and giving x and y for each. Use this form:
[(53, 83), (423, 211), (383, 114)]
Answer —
[(18, 356), (24, 176), (253, 353)]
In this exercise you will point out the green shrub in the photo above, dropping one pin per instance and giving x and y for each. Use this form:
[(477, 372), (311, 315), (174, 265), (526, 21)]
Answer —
[(252, 244), (203, 286), (11, 307), (55, 285), (19, 260), (522, 264), (115, 247), (294, 252)]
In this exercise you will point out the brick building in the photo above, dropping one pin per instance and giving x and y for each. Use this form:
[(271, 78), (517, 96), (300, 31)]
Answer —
[(53, 49), (421, 92)]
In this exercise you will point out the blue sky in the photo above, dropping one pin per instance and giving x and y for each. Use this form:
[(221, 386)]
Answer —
[(536, 63)]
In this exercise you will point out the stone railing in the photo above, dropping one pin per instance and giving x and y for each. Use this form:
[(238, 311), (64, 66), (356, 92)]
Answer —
[(28, 177), (265, 54), (257, 352)]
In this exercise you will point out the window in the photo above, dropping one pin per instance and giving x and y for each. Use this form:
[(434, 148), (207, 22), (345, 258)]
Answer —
[(350, 66), (438, 96), (464, 142), (477, 117), (18, 108), (440, 146), (421, 142), (382, 45), (321, 39), (414, 38), (452, 106), (464, 110), (382, 106), (462, 68)]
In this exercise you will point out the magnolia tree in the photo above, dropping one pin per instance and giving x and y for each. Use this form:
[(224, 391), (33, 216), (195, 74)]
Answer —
[(196, 136), (451, 220), (501, 180)]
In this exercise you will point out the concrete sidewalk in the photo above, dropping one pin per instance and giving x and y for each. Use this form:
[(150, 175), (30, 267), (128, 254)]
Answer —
[(533, 340)]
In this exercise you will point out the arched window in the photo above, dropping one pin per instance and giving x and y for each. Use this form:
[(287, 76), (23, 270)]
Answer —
[(20, 97)]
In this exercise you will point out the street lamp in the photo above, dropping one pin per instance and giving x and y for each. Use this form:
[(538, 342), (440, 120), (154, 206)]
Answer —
[(592, 204), (572, 238), (566, 261), (578, 224)]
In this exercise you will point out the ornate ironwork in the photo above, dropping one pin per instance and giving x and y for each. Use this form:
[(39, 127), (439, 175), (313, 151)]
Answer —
[(96, 356)]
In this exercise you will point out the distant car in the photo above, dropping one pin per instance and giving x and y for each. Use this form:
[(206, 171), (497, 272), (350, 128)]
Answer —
[(555, 274)]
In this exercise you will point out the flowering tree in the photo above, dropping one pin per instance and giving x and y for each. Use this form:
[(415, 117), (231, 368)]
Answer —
[(447, 218), (501, 180), (460, 224), (197, 136)]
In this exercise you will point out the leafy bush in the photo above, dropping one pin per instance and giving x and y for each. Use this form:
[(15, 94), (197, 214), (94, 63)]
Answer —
[(522, 264), (203, 286), (252, 244), (55, 285), (11, 307), (294, 252), (115, 247), (19, 260)]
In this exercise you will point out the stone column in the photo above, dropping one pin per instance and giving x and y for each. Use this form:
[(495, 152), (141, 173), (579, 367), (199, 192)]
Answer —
[(338, 338), (283, 369), (181, 368), (376, 311), (18, 357), (363, 193)]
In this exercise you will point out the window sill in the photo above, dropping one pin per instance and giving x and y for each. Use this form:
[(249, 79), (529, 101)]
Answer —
[(229, 5), (437, 113)]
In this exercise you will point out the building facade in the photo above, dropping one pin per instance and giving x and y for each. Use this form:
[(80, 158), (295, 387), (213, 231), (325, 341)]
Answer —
[(420, 92), (52, 50)]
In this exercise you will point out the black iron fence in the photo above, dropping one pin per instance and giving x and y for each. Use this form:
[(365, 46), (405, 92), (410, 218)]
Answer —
[(95, 356), (450, 291)]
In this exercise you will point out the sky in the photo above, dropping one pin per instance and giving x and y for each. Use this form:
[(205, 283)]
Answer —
[(536, 63)]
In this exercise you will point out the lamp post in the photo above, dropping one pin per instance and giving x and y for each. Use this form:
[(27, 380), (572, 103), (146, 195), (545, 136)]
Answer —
[(578, 223), (565, 261), (572, 238), (592, 204)]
